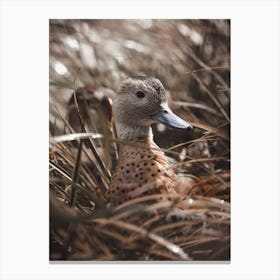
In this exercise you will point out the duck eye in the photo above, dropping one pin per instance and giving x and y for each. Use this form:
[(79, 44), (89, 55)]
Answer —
[(140, 94)]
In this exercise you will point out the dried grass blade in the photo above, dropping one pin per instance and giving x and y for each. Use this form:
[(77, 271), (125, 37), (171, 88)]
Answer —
[(144, 233), (75, 174), (74, 136), (62, 172), (212, 96)]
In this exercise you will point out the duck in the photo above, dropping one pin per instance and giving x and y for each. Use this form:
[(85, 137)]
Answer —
[(142, 168)]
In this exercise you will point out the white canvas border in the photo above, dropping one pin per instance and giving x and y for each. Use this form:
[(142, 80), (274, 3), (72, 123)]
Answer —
[(255, 138)]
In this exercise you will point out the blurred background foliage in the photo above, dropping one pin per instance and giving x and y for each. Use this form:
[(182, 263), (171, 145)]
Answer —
[(93, 57)]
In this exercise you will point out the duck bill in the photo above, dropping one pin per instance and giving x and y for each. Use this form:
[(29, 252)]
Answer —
[(167, 117)]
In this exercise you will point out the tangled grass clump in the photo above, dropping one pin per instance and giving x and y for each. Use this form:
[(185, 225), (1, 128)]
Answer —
[(193, 63)]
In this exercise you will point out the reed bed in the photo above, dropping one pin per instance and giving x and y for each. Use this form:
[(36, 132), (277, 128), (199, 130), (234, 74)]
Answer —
[(192, 59)]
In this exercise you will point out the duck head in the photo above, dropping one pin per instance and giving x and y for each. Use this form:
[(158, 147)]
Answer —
[(140, 102)]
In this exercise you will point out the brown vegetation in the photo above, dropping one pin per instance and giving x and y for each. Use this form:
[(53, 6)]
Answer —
[(192, 59)]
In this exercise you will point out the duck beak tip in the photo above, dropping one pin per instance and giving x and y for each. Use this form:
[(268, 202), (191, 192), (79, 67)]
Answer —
[(167, 117)]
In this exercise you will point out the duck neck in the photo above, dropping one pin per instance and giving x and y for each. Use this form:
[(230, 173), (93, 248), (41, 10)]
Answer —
[(127, 132)]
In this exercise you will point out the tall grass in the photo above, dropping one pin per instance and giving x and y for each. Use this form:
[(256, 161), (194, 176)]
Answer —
[(192, 59)]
